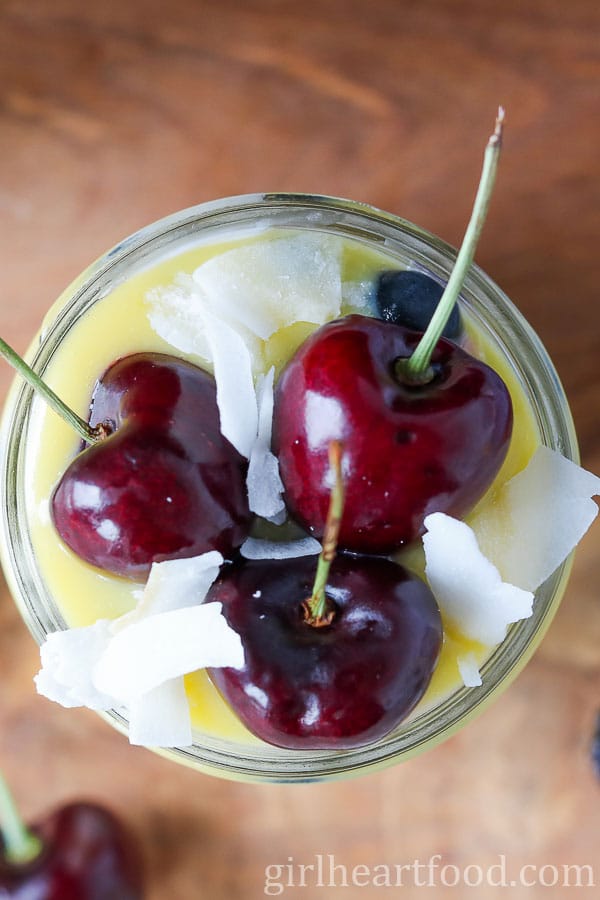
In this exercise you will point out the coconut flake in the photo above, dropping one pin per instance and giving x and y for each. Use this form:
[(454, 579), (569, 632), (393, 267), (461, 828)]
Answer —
[(538, 518), (272, 284), (279, 518), (264, 485), (359, 294), (177, 314), (67, 659), (466, 585), (468, 668), (253, 548), (236, 397), (174, 584), (161, 718), (263, 481), (144, 655)]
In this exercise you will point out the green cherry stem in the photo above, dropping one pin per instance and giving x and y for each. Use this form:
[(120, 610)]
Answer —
[(20, 845), (316, 609), (89, 434), (416, 369)]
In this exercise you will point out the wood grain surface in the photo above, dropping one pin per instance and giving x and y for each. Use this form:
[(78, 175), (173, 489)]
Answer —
[(116, 113)]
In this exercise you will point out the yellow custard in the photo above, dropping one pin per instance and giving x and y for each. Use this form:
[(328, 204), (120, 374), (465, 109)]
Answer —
[(117, 326)]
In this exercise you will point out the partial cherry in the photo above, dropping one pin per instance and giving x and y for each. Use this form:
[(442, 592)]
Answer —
[(79, 852)]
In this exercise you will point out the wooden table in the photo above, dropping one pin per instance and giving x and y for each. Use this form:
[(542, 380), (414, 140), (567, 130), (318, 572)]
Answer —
[(116, 113)]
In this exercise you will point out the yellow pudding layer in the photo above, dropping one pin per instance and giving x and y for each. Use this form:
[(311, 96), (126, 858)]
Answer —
[(117, 326)]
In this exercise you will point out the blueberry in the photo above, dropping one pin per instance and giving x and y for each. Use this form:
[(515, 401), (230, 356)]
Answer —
[(410, 298), (596, 747)]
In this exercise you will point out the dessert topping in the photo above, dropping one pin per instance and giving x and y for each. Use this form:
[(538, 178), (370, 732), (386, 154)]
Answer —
[(468, 668), (254, 548), (467, 587), (272, 284), (549, 501), (264, 482), (138, 660), (537, 518), (410, 298)]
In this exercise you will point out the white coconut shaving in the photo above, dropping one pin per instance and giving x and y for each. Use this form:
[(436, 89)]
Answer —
[(147, 680), (280, 517), (174, 584), (162, 711), (468, 668), (534, 522), (265, 487), (275, 283), (183, 318), (68, 658), (177, 313), (253, 548), (467, 586), (538, 518), (358, 294), (144, 655), (236, 397)]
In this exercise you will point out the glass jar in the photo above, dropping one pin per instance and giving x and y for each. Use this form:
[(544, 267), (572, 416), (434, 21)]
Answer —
[(492, 313)]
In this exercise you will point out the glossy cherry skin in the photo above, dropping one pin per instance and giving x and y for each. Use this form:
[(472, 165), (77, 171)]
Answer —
[(408, 450), (339, 686), (87, 855), (165, 484)]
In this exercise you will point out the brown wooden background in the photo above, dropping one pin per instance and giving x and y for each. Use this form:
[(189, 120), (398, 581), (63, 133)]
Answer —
[(115, 113)]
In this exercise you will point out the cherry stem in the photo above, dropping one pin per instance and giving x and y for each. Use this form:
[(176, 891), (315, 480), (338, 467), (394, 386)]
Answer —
[(417, 369), (20, 845), (316, 608), (90, 435)]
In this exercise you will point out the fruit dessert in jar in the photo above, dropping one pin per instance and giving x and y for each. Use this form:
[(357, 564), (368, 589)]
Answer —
[(245, 289)]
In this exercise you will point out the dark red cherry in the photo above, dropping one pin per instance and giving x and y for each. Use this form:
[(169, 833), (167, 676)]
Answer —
[(86, 855), (409, 450), (165, 484), (340, 685)]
